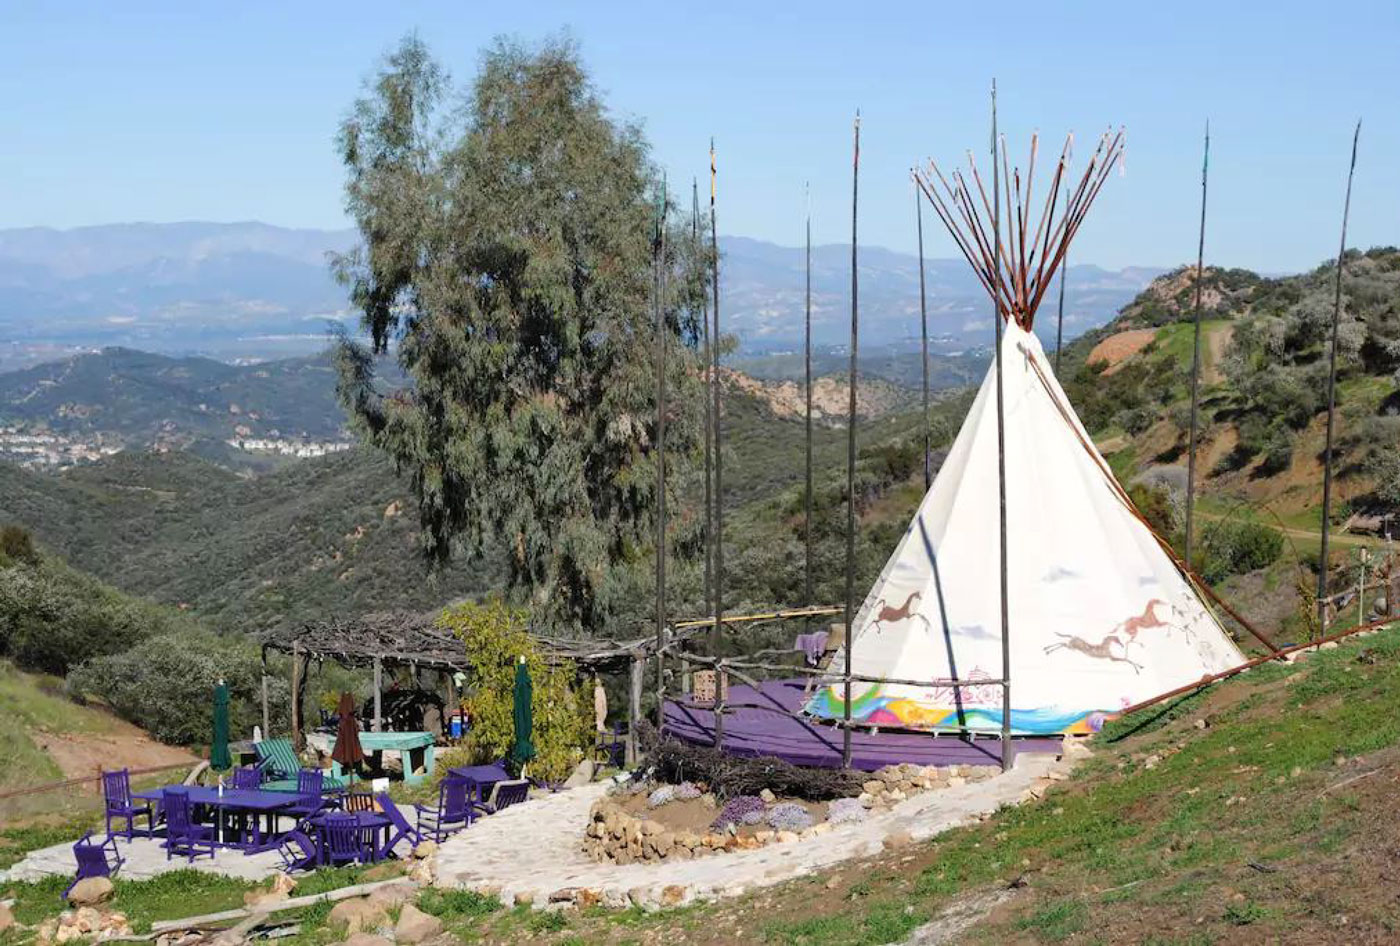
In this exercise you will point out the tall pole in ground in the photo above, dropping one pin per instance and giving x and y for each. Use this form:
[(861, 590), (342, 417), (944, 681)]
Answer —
[(715, 394), (659, 256), (707, 530), (1060, 321), (807, 359), (851, 456), (1006, 751), (1196, 355), (1332, 400), (923, 339)]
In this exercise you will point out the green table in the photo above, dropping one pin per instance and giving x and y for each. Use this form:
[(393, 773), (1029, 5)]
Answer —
[(415, 750)]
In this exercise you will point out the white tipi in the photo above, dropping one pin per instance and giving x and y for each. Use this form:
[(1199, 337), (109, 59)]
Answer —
[(1100, 615)]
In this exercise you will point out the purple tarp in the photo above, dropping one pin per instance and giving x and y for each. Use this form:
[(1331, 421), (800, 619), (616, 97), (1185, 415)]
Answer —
[(755, 732)]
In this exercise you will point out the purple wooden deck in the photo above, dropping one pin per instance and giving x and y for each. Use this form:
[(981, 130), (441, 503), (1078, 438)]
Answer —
[(756, 732)]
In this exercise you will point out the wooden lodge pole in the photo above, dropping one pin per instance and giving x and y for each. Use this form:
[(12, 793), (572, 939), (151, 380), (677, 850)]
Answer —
[(807, 492), (707, 530), (923, 340), (717, 610), (1060, 319), (1332, 401), (851, 456), (659, 252), (1196, 356), (1007, 757)]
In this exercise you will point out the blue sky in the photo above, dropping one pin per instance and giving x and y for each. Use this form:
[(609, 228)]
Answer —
[(178, 111)]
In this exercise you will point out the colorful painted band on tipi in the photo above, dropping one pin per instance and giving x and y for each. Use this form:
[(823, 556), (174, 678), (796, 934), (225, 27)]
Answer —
[(876, 709)]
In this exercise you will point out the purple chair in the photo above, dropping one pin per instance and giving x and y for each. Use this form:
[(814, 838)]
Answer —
[(453, 811), (505, 794), (94, 860), (310, 782), (184, 835), (298, 850), (246, 777), (116, 794), (341, 839), (399, 828)]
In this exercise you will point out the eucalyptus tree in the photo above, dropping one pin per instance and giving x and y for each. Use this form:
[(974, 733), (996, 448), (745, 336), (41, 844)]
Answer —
[(508, 263)]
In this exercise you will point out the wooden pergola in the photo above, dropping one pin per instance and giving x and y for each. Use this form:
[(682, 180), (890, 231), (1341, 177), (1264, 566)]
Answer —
[(416, 641)]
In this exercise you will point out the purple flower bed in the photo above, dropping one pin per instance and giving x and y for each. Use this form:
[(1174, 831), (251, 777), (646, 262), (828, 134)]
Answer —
[(669, 793), (789, 816), (746, 809)]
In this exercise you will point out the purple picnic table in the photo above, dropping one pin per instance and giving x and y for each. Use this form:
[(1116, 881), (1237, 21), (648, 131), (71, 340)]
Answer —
[(483, 777), (256, 803)]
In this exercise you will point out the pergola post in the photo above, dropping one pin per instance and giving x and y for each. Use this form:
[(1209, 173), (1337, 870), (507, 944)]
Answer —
[(378, 689), (266, 716), (297, 675), (634, 709)]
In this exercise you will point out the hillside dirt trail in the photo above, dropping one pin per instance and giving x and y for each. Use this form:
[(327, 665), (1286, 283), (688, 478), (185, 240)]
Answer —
[(122, 746)]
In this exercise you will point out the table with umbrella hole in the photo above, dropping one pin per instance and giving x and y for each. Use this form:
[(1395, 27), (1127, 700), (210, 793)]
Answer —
[(245, 818)]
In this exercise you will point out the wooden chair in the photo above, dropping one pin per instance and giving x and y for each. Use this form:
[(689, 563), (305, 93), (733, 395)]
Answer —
[(453, 810), (94, 860), (505, 794), (184, 835), (119, 805)]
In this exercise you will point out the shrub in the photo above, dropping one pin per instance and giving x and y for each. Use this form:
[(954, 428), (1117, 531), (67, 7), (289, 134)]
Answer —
[(1234, 548), (730, 776), (16, 546), (53, 618), (789, 816), (669, 793), (166, 684), (494, 636)]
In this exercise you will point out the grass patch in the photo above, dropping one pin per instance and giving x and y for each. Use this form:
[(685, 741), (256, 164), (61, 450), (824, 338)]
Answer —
[(457, 905), (1056, 921)]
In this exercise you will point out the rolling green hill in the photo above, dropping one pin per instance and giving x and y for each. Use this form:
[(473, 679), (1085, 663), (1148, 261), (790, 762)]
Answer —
[(332, 535)]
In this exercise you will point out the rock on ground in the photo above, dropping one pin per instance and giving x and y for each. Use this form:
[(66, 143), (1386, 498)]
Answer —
[(415, 926)]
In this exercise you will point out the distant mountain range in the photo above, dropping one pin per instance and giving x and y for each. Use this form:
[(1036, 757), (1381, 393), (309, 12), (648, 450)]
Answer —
[(255, 291)]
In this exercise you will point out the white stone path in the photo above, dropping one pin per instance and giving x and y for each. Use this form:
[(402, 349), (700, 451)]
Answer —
[(535, 849), (145, 858)]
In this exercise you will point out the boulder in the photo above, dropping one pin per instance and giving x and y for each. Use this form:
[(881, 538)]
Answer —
[(674, 895), (365, 939), (873, 786), (768, 796), (422, 873), (91, 891), (415, 926), (898, 838), (787, 837), (7, 919), (582, 774), (284, 883), (357, 915), (524, 898), (393, 895), (425, 849), (263, 898), (385, 870), (586, 897)]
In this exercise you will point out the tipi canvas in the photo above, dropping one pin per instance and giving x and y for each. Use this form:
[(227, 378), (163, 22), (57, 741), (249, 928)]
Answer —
[(1100, 616)]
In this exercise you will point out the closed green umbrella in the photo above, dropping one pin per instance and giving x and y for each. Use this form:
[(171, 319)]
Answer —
[(524, 748), (219, 758)]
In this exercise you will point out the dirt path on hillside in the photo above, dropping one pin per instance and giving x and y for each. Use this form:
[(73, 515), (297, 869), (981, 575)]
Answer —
[(123, 746), (1118, 348)]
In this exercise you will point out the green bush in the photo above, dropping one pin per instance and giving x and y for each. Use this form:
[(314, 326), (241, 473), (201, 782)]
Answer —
[(166, 684), (16, 546), (1235, 548), (494, 636), (53, 618)]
